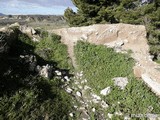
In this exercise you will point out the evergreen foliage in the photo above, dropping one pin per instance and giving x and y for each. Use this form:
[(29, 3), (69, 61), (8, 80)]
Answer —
[(115, 11)]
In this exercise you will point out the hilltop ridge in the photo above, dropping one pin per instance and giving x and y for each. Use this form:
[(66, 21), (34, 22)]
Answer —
[(127, 37)]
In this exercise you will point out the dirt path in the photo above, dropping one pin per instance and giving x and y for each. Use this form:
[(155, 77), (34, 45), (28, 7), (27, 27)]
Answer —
[(132, 36)]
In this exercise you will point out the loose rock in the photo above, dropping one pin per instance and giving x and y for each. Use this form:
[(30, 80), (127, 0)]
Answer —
[(58, 73), (110, 115), (66, 78), (46, 71), (121, 82), (69, 90), (104, 104), (79, 94), (105, 91)]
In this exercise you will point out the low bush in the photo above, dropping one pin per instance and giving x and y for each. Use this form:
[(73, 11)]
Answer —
[(24, 95)]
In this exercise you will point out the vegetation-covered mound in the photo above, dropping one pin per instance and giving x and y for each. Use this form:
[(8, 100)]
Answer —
[(100, 65), (24, 94)]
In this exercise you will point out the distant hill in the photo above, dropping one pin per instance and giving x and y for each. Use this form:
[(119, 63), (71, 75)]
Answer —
[(1, 14)]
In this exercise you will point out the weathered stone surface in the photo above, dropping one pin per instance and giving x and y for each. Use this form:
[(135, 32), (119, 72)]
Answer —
[(121, 82), (151, 83)]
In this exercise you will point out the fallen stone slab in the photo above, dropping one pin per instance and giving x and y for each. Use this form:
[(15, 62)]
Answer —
[(155, 86)]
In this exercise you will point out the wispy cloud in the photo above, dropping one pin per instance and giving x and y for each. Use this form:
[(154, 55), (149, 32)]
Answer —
[(34, 6), (44, 3)]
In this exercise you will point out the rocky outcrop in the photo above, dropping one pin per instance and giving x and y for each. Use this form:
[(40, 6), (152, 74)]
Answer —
[(10, 33), (7, 38)]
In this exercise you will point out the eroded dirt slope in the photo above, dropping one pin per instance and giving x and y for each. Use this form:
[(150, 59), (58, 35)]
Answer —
[(133, 37)]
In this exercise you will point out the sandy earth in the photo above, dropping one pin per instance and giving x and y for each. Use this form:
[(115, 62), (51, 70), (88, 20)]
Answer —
[(132, 36)]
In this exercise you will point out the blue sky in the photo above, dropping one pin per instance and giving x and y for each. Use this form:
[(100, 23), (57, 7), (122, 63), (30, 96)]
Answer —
[(48, 7)]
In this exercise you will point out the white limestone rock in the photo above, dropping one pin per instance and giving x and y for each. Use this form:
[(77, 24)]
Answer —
[(105, 91), (46, 71), (79, 94), (69, 90), (71, 114), (93, 109), (66, 78), (96, 96), (121, 82), (58, 73)]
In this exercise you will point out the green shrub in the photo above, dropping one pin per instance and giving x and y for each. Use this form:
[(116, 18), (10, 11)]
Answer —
[(24, 95), (54, 51)]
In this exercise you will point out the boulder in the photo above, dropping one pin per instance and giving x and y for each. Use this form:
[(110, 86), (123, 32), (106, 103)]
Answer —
[(120, 82), (46, 71)]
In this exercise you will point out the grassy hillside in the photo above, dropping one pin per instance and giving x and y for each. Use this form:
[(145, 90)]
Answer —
[(24, 94), (100, 65)]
